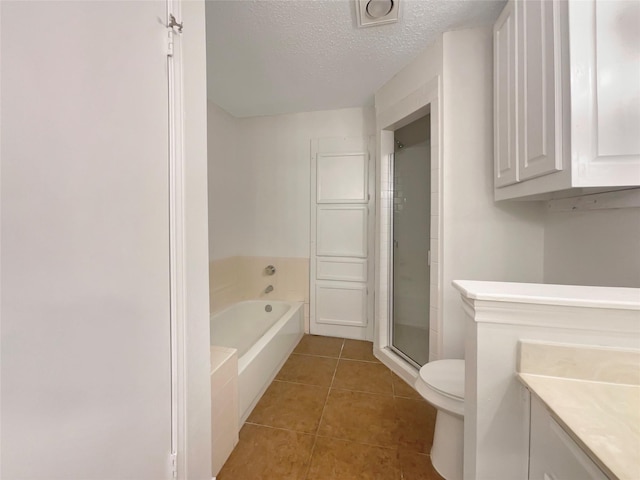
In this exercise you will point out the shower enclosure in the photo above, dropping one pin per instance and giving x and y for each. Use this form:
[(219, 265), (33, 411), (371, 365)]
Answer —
[(410, 254)]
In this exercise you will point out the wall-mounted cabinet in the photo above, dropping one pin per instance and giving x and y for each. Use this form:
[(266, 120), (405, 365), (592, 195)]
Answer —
[(566, 97)]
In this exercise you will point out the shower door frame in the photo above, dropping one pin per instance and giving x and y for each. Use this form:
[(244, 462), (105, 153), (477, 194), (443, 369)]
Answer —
[(392, 298), (423, 101)]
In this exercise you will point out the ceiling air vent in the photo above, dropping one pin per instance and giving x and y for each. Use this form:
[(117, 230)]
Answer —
[(376, 12)]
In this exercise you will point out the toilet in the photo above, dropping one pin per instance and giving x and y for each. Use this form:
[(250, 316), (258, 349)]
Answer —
[(441, 383)]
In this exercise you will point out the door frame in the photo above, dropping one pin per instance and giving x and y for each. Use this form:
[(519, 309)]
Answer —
[(422, 101), (189, 253)]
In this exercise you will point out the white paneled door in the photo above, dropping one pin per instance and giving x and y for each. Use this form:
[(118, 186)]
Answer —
[(84, 258), (342, 237)]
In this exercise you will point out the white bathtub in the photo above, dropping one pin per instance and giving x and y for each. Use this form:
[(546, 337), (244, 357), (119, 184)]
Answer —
[(263, 339)]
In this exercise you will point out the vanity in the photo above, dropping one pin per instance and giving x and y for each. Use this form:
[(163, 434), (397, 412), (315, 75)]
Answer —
[(552, 386), (585, 410)]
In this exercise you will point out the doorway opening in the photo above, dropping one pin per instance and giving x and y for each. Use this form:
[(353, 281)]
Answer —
[(405, 293), (410, 256)]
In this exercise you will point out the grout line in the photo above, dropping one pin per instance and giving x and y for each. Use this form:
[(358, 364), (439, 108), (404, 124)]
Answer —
[(326, 400), (342, 389), (278, 428), (349, 440), (411, 398), (298, 383), (313, 355), (393, 385), (362, 361)]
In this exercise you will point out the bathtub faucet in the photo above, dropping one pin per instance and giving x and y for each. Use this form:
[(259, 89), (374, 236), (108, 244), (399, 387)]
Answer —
[(268, 289)]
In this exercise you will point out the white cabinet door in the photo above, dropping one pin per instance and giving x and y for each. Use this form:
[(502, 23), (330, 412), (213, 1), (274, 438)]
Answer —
[(553, 454), (341, 238), (505, 118), (539, 88), (84, 259), (605, 83), (577, 96)]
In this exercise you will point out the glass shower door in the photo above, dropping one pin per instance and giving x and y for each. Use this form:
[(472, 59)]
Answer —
[(410, 252)]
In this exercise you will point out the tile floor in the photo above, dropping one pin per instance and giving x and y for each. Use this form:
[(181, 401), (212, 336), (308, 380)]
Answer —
[(334, 412)]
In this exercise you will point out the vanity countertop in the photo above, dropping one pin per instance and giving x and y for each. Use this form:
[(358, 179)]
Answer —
[(594, 393)]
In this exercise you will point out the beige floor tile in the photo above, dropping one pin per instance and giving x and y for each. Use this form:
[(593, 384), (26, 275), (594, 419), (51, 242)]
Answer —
[(360, 417), (363, 376), (358, 350), (317, 345), (342, 460), (416, 421), (417, 466), (268, 453), (402, 389), (290, 406), (308, 369)]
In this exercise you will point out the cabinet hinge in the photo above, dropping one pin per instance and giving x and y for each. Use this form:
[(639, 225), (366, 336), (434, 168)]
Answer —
[(173, 464)]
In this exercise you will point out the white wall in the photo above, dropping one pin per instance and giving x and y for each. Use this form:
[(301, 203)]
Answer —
[(229, 205), (598, 247), (259, 204), (84, 259), (276, 150), (505, 241), (426, 67), (482, 240)]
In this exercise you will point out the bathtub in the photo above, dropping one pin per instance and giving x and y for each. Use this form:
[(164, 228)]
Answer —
[(263, 340)]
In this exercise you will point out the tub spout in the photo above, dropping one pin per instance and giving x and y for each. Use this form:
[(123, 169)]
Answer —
[(268, 289)]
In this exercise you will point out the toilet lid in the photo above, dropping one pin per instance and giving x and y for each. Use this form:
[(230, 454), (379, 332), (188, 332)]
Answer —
[(445, 376)]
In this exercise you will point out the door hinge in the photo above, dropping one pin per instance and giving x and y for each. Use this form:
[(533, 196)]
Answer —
[(170, 42), (173, 463), (172, 27), (173, 23)]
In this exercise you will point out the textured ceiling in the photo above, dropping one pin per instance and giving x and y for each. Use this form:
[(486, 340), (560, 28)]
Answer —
[(267, 57)]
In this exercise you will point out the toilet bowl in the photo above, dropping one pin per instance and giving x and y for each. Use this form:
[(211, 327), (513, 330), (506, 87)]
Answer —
[(441, 383)]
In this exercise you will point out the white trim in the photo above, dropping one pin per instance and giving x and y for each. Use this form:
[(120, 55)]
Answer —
[(177, 281), (322, 275), (425, 99), (193, 350)]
